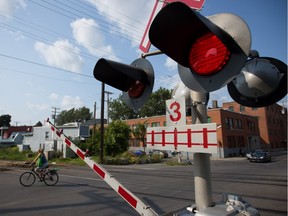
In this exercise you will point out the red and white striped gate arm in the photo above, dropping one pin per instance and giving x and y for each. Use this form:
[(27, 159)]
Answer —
[(127, 195)]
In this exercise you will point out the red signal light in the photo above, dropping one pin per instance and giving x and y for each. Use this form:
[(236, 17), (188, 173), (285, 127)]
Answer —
[(208, 55), (136, 89)]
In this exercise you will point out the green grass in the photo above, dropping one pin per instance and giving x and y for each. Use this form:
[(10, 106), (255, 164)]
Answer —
[(71, 161), (13, 153)]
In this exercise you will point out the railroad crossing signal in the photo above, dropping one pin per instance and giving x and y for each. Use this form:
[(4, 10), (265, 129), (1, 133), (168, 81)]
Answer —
[(210, 51), (135, 80), (262, 82)]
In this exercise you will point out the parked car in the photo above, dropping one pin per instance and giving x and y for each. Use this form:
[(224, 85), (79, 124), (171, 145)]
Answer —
[(260, 156), (160, 153), (138, 153), (249, 154)]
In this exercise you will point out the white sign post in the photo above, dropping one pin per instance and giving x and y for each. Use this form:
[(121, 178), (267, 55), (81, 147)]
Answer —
[(176, 112)]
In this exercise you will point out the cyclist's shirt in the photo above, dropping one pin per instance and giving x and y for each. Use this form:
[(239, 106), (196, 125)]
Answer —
[(41, 160)]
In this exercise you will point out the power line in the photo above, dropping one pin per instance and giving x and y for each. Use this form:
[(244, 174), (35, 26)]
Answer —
[(125, 37), (43, 65), (44, 77), (139, 32)]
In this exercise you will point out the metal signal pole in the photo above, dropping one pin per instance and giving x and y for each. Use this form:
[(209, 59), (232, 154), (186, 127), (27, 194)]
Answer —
[(202, 178)]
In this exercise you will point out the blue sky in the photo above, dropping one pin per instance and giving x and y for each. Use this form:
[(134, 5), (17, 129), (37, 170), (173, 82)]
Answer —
[(49, 48)]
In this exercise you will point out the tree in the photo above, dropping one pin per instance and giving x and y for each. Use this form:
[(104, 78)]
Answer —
[(156, 103), (154, 106), (73, 115), (117, 136), (139, 132), (118, 110), (5, 120)]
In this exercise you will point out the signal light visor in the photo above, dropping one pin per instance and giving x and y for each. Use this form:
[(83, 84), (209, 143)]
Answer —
[(208, 55)]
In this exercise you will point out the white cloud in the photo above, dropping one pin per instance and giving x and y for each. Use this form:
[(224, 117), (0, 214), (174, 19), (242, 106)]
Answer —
[(131, 24), (53, 96), (170, 64), (87, 33), (69, 102), (168, 82), (8, 7), (61, 54), (37, 106)]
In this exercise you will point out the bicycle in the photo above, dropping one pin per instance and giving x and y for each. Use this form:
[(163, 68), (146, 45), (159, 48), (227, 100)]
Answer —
[(50, 177)]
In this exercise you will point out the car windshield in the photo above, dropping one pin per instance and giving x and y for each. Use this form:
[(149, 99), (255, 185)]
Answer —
[(259, 154)]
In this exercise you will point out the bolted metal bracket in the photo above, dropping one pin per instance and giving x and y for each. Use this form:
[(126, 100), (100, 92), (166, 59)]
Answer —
[(230, 205)]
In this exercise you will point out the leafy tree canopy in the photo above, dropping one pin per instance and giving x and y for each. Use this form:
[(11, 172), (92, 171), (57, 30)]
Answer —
[(5, 120), (154, 106), (73, 115), (117, 136)]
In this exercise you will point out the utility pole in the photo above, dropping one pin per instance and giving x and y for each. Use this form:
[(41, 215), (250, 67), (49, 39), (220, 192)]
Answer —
[(102, 124), (16, 123), (54, 113), (108, 101), (94, 121)]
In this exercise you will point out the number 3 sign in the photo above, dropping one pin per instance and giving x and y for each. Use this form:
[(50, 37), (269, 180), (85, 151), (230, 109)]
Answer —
[(175, 112)]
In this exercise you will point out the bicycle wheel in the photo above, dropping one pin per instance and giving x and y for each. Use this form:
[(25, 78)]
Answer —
[(27, 179), (51, 178)]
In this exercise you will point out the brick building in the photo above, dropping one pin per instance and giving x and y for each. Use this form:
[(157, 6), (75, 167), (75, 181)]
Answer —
[(238, 127), (272, 122)]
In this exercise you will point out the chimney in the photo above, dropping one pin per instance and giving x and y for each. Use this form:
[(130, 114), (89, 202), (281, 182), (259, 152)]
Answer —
[(214, 104)]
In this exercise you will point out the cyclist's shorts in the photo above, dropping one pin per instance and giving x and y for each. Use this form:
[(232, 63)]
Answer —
[(45, 165)]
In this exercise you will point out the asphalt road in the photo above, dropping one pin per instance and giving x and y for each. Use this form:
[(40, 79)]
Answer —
[(81, 192)]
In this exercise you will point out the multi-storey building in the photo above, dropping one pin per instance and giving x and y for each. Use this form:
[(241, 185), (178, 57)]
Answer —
[(238, 128), (272, 122)]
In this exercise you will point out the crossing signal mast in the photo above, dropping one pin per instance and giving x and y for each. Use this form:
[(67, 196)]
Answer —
[(211, 52)]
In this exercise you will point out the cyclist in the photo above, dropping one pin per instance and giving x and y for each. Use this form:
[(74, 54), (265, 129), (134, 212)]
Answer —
[(41, 163)]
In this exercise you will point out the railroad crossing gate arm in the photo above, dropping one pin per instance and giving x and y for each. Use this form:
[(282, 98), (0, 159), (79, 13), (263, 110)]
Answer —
[(127, 195)]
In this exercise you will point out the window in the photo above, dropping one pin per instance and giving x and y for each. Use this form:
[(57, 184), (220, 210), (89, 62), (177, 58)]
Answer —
[(242, 108), (155, 124), (227, 123), (46, 134), (231, 123), (240, 124), (231, 108)]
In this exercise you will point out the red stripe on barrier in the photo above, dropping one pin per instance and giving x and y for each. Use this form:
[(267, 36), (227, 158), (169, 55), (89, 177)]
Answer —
[(52, 128), (163, 137), (68, 142), (152, 138), (99, 171), (80, 154), (205, 138), (58, 133), (127, 197)]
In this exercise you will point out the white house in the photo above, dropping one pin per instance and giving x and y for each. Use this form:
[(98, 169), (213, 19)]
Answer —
[(42, 137)]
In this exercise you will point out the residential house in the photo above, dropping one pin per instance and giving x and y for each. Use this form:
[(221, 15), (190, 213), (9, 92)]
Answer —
[(42, 137)]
